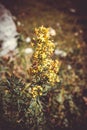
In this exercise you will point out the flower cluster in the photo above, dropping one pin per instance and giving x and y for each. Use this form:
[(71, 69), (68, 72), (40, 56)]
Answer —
[(42, 64), (43, 47), (44, 69), (36, 91)]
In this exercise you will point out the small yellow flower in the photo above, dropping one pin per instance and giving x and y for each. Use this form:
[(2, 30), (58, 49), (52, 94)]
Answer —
[(36, 91), (43, 55)]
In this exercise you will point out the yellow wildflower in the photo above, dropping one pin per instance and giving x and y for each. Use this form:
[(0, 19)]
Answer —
[(36, 91), (41, 61), (43, 55)]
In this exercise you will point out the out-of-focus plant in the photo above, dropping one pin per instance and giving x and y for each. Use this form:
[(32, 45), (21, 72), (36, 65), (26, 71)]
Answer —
[(42, 102)]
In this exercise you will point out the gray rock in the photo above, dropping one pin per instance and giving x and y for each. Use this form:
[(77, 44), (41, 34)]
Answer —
[(8, 32)]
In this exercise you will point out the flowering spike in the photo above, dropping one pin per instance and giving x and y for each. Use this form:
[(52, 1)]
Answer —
[(44, 70)]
